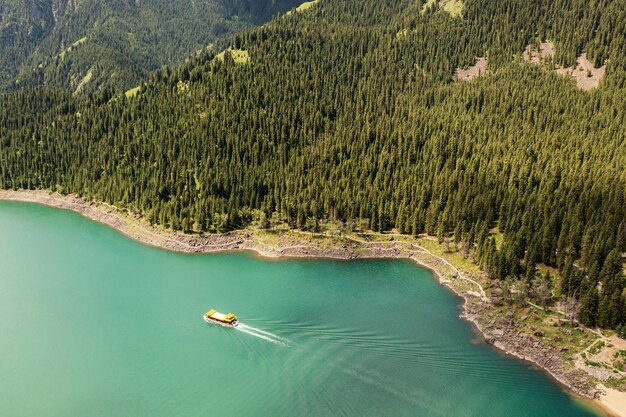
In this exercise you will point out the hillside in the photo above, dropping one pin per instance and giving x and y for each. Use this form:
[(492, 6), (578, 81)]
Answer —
[(87, 45), (346, 113)]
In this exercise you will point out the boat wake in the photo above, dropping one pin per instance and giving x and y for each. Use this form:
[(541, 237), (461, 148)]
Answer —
[(262, 334)]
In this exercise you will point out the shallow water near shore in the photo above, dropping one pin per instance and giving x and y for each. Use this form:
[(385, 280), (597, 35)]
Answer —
[(94, 324)]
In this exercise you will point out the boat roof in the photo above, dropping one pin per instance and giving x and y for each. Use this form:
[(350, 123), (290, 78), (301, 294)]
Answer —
[(219, 316), (214, 314)]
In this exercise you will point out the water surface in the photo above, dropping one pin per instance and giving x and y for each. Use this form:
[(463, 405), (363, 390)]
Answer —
[(94, 324)]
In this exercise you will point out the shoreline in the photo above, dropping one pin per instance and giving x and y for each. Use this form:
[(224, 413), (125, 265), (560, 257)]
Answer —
[(495, 330)]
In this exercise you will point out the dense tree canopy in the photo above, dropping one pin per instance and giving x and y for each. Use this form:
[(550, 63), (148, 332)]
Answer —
[(95, 44), (348, 112)]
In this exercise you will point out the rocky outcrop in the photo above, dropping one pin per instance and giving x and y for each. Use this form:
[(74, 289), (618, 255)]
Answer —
[(503, 334)]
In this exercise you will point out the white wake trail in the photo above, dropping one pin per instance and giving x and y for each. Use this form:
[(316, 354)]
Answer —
[(254, 329), (261, 334)]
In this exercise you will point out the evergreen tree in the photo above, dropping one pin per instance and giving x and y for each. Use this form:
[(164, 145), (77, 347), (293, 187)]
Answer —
[(588, 309)]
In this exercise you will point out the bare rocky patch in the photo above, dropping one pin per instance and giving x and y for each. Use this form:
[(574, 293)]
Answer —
[(543, 55), (584, 73), (476, 70)]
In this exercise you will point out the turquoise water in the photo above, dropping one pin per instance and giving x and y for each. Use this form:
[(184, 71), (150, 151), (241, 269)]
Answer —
[(94, 324)]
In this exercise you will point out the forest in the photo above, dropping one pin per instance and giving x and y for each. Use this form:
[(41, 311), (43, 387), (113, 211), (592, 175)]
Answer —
[(93, 45), (349, 112)]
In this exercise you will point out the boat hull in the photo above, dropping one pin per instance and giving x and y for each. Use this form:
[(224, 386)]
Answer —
[(220, 323)]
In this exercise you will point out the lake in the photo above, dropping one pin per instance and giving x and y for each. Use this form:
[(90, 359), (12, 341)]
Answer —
[(94, 324)]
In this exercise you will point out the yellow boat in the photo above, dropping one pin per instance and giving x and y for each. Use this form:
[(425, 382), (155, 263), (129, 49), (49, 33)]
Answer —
[(227, 320)]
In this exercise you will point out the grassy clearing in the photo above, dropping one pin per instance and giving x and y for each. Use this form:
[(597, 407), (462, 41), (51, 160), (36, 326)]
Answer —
[(552, 331), (543, 268), (402, 34), (428, 4), (84, 81), (454, 256), (132, 92), (240, 56), (453, 7), (306, 5), (81, 40), (75, 44), (182, 87), (498, 236)]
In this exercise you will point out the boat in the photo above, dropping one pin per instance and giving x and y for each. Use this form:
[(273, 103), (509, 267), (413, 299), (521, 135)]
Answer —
[(226, 320)]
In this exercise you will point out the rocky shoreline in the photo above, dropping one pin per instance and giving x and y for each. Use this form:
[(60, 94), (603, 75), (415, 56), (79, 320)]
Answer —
[(500, 331), (502, 334)]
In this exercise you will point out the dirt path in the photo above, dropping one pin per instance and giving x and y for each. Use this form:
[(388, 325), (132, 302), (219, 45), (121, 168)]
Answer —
[(481, 290)]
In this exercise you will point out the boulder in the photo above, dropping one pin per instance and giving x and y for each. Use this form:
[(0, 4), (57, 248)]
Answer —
[(496, 301)]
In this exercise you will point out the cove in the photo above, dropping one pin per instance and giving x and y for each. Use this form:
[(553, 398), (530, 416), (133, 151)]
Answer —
[(94, 324)]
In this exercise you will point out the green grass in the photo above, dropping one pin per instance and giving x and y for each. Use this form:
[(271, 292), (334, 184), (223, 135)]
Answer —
[(240, 56), (75, 44), (183, 87), (543, 268), (453, 7), (132, 92), (306, 5), (84, 81), (455, 257), (427, 5), (402, 34), (78, 42), (498, 236), (596, 348), (616, 383), (531, 320)]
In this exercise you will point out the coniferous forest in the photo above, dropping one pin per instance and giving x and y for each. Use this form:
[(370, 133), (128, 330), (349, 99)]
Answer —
[(348, 112), (90, 45)]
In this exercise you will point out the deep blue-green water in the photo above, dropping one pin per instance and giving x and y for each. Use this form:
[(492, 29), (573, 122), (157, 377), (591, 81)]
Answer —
[(94, 324)]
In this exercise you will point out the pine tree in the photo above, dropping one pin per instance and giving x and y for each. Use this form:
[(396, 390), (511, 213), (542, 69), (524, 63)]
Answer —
[(588, 309)]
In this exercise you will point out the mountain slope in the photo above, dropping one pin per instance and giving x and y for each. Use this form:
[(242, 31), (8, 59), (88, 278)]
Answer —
[(347, 113), (90, 44)]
